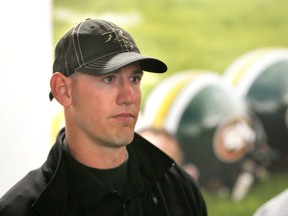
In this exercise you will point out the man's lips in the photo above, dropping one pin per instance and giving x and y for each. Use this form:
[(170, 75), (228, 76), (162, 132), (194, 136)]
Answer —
[(124, 116)]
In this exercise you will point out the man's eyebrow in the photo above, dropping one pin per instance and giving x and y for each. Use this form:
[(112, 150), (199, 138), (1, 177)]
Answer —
[(138, 71)]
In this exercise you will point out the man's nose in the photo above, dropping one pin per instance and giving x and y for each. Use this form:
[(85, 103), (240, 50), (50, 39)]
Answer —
[(126, 93)]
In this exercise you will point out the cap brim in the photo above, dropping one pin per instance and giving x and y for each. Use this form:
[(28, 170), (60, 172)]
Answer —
[(112, 63)]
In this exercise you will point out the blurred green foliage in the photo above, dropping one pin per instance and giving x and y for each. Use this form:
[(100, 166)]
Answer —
[(189, 34), (186, 34)]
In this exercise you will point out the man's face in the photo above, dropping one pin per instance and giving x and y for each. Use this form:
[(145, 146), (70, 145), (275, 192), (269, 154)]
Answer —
[(105, 108)]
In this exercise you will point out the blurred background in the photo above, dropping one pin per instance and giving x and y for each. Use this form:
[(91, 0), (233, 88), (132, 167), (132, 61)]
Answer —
[(224, 96)]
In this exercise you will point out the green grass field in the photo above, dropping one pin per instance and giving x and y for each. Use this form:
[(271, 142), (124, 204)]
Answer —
[(194, 34), (258, 194)]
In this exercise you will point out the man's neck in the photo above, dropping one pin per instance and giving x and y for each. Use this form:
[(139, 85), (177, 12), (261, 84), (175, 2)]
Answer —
[(96, 156)]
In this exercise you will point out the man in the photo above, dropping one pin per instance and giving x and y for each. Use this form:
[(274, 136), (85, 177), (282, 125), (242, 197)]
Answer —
[(98, 165)]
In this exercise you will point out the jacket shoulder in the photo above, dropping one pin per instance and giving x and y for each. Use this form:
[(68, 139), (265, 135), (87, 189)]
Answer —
[(19, 199)]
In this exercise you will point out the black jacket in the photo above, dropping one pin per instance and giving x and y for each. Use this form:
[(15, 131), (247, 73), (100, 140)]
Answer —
[(160, 187)]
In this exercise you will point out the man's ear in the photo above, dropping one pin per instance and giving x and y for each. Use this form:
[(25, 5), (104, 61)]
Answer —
[(60, 88)]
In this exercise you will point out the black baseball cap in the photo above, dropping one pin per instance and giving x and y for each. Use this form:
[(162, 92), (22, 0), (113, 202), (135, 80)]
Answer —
[(96, 46)]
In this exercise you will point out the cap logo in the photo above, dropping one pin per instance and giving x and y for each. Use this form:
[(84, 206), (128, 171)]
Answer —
[(116, 35)]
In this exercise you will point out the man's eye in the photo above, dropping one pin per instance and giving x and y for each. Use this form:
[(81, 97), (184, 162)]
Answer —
[(108, 79), (136, 79)]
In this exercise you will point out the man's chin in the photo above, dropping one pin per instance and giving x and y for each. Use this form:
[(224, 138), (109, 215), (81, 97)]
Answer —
[(126, 136), (129, 136)]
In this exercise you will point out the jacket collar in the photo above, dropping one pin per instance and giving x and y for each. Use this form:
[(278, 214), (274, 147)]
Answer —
[(52, 201), (149, 165), (152, 161)]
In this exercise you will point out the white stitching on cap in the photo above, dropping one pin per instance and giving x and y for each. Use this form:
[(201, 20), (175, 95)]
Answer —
[(78, 45)]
